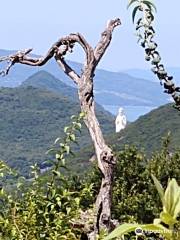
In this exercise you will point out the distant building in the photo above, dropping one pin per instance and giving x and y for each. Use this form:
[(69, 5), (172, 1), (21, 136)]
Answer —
[(120, 121)]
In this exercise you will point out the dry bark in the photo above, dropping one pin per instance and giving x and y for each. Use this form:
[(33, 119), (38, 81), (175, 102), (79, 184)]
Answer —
[(84, 82)]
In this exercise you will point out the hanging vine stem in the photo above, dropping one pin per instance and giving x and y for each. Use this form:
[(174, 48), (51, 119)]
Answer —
[(146, 33)]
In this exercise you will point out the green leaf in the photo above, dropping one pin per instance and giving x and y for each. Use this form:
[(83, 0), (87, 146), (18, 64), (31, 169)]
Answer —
[(134, 13), (57, 140), (121, 230), (63, 161), (2, 191), (50, 151), (62, 145), (167, 219), (172, 198), (19, 184), (58, 156), (158, 228), (67, 149), (53, 193), (68, 209), (131, 2), (82, 115), (72, 137), (73, 117), (159, 188), (156, 221), (127, 228), (77, 200), (150, 4), (56, 173), (177, 207), (66, 129), (78, 126)]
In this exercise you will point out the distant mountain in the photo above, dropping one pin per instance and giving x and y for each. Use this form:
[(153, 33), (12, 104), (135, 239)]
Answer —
[(44, 80), (32, 118), (122, 89), (20, 73), (142, 73), (148, 74), (148, 130), (112, 89)]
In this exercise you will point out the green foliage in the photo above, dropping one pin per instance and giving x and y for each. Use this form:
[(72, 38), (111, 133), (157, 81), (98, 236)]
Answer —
[(4, 169), (171, 210), (58, 203), (132, 199), (146, 33), (139, 3), (135, 198), (45, 209), (170, 200)]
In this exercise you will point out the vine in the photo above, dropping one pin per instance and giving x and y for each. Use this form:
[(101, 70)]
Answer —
[(146, 33)]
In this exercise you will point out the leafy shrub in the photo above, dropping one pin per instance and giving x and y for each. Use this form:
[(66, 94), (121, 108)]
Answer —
[(135, 198), (164, 226), (46, 207)]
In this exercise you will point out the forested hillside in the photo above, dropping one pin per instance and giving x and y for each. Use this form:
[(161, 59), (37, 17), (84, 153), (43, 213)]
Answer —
[(148, 130), (44, 80), (31, 119)]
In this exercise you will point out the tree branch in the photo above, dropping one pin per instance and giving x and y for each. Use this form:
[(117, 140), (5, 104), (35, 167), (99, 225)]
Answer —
[(105, 40), (20, 57), (60, 48), (67, 69), (12, 59), (89, 53)]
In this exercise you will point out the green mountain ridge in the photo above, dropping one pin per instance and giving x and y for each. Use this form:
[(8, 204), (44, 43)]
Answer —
[(32, 118), (33, 115), (44, 80), (147, 132), (111, 88)]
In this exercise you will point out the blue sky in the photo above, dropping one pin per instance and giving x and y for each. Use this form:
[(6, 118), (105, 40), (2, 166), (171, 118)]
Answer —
[(39, 23)]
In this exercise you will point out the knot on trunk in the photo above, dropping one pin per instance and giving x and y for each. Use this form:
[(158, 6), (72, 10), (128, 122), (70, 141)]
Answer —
[(89, 97), (105, 219), (107, 156)]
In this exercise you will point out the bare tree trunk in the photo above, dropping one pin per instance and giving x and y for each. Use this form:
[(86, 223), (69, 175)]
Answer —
[(105, 157)]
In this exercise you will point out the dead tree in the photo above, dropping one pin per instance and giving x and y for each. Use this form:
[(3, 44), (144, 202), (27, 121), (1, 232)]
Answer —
[(84, 82)]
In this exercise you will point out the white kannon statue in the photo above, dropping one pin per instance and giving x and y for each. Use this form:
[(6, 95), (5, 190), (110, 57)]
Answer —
[(120, 121)]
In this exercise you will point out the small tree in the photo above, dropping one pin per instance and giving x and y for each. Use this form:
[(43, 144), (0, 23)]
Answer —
[(84, 81)]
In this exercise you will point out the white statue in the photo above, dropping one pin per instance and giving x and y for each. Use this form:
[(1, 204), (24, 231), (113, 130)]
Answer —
[(120, 120)]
